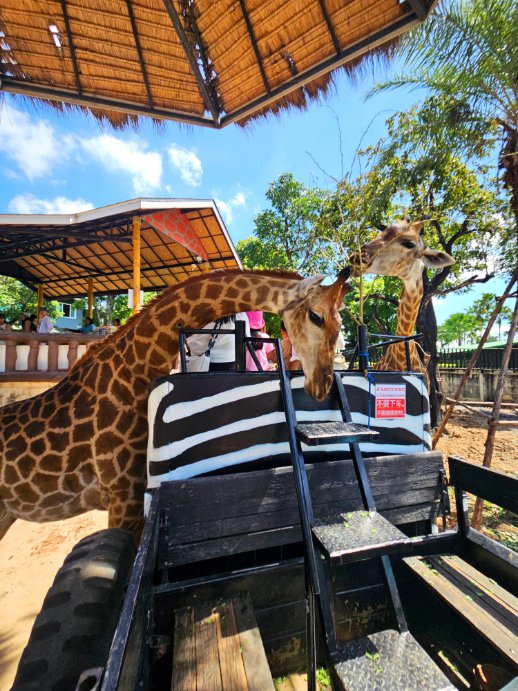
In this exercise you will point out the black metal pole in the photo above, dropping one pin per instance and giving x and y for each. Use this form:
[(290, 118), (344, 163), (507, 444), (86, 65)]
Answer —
[(240, 345), (363, 358)]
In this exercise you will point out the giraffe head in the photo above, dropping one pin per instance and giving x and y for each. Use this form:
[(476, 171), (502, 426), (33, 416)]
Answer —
[(313, 323), (399, 251)]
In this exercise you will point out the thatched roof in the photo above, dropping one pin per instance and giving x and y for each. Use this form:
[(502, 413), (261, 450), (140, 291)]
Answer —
[(178, 238), (205, 62)]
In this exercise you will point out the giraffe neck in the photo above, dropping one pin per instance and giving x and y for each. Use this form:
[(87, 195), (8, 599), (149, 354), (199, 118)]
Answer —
[(409, 302), (394, 357), (149, 344)]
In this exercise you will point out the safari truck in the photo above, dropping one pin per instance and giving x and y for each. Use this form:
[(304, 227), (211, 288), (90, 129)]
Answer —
[(285, 534)]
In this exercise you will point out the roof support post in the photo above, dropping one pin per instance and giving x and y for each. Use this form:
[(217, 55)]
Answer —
[(136, 264), (40, 297), (90, 297)]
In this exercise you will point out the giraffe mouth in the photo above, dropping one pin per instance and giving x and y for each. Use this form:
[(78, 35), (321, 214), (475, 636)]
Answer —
[(319, 388), (359, 263)]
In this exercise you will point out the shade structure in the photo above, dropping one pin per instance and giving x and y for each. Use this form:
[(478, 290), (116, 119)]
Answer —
[(61, 253), (206, 62)]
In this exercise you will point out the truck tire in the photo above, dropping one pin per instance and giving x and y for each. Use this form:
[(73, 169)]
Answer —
[(74, 629)]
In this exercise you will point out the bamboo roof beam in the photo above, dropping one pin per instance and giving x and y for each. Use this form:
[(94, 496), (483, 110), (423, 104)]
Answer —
[(345, 55), (143, 269), (255, 47), (330, 27), (139, 51), (71, 46), (206, 90), (42, 247), (419, 7), (18, 86)]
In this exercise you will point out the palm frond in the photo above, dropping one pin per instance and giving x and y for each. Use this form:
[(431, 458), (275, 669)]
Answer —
[(469, 51)]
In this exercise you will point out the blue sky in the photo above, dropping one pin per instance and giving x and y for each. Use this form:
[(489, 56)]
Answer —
[(65, 163)]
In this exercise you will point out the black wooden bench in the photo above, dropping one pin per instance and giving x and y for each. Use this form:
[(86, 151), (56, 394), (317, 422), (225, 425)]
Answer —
[(490, 609), (225, 534)]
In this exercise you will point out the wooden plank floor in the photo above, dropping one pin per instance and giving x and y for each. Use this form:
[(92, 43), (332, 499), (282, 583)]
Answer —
[(217, 647), (490, 609)]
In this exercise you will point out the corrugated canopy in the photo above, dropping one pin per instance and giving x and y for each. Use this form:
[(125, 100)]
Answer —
[(207, 62), (178, 237)]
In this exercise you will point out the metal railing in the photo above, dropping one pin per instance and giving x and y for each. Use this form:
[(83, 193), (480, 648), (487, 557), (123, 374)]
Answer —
[(489, 359)]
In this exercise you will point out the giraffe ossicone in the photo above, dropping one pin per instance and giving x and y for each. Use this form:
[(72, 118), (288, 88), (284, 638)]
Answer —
[(399, 250), (81, 445)]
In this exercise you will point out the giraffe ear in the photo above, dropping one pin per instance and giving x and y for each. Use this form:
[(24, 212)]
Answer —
[(437, 259), (304, 286), (418, 226), (340, 288)]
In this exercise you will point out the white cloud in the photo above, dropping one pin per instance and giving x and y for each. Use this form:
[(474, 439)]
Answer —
[(33, 145), (227, 207), (29, 204), (187, 164), (130, 157), (226, 210)]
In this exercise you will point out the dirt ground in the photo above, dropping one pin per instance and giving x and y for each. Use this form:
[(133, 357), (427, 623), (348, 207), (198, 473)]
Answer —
[(30, 554)]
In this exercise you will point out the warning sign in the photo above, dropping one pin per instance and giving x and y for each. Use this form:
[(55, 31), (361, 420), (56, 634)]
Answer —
[(390, 400)]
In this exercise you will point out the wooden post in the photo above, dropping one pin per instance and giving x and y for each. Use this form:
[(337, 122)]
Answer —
[(52, 361), (72, 353), (136, 264), (495, 416), (481, 388), (474, 358), (40, 298), (10, 354), (90, 296), (32, 362)]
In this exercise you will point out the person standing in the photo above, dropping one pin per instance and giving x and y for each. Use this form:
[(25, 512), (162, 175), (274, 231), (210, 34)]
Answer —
[(5, 327), (223, 351), (289, 354), (45, 324), (262, 350)]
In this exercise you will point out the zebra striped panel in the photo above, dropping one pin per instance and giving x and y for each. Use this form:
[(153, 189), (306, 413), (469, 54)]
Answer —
[(206, 423)]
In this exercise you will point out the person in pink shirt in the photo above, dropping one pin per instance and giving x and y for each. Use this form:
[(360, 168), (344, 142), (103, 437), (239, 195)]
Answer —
[(262, 350)]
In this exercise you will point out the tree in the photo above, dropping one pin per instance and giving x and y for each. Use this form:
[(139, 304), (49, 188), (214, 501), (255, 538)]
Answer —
[(467, 53), (484, 307), (415, 171), (289, 236), (15, 297), (289, 233), (460, 327)]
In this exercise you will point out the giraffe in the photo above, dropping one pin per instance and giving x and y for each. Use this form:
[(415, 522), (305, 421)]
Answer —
[(400, 251), (81, 445)]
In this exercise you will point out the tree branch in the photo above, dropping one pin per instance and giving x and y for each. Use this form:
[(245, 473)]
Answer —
[(378, 321), (464, 284), (440, 235), (385, 298), (463, 230), (437, 279)]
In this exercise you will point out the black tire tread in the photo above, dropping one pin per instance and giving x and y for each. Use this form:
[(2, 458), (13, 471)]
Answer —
[(75, 627)]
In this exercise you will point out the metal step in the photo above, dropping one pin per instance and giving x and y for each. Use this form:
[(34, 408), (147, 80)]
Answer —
[(358, 535), (337, 432), (386, 661)]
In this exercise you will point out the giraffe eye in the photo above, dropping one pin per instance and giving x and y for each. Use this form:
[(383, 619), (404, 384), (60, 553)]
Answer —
[(318, 321), (408, 244)]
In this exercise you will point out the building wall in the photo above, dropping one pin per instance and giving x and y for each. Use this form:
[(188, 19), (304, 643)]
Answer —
[(480, 385), (69, 322)]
